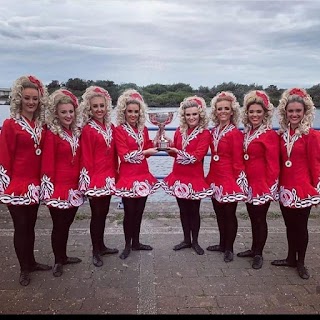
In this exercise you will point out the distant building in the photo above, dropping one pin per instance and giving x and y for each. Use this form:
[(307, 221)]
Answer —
[(4, 95)]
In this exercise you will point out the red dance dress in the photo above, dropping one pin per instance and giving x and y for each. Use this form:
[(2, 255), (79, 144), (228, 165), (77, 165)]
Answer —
[(135, 179), (99, 160), (262, 165), (300, 171), (226, 175), (21, 142), (187, 180), (60, 170)]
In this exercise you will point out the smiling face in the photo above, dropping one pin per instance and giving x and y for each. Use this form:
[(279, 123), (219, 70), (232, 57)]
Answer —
[(255, 115), (66, 114), (192, 116), (294, 113), (132, 114), (223, 112), (29, 102), (98, 108)]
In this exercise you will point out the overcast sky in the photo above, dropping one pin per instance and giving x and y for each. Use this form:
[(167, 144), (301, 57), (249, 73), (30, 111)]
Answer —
[(200, 42)]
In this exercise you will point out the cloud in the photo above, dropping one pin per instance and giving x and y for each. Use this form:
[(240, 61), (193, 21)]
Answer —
[(196, 42)]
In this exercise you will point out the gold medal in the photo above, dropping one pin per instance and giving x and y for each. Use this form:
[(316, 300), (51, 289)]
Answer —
[(246, 156), (216, 157), (38, 152)]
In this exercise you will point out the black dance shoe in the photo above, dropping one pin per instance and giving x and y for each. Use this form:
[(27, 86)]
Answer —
[(228, 256), (40, 267), (284, 263), (24, 278), (125, 253), (215, 247), (107, 250), (257, 262), (96, 260), (57, 270), (182, 245), (141, 246), (197, 249), (303, 271), (244, 254), (71, 260)]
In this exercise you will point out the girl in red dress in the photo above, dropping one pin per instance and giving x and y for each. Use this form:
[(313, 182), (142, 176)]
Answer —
[(21, 143), (226, 175), (60, 171), (261, 155), (135, 182), (186, 182), (99, 164), (299, 173)]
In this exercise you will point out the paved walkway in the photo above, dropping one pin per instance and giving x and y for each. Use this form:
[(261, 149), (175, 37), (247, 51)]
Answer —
[(161, 281)]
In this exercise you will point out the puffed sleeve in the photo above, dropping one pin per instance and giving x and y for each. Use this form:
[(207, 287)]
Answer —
[(48, 166), (7, 147)]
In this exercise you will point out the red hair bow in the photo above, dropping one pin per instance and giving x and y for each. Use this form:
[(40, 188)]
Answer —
[(297, 92), (72, 96), (198, 102), (264, 98), (37, 83), (136, 96), (222, 95), (105, 93)]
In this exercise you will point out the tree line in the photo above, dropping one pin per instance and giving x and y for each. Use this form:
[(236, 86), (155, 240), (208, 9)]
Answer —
[(161, 95)]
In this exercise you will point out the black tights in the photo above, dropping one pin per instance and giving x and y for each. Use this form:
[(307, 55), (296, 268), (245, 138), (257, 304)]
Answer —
[(259, 226), (227, 223), (99, 210), (133, 211), (24, 220), (61, 220), (296, 221), (190, 219)]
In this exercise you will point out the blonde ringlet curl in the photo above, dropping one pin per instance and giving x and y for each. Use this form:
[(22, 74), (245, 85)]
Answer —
[(252, 97), (85, 108), (16, 99), (235, 107), (52, 121), (190, 102), (309, 111), (124, 100)]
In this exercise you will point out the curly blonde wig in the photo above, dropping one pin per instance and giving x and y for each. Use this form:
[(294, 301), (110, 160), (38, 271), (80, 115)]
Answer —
[(85, 108), (296, 95), (16, 97), (260, 97), (127, 97), (58, 97), (235, 107), (189, 102)]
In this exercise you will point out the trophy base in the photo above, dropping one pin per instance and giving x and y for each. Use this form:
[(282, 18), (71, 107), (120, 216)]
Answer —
[(162, 149)]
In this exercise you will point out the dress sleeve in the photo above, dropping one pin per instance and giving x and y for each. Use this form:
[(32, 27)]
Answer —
[(86, 162), (8, 145), (313, 155), (47, 166)]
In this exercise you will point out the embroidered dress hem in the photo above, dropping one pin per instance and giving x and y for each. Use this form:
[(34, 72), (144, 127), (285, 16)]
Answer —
[(141, 189)]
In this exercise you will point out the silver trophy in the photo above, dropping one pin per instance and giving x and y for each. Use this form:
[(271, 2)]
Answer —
[(161, 119)]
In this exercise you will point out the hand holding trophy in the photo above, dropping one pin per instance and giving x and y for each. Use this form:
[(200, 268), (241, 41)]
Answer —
[(161, 119)]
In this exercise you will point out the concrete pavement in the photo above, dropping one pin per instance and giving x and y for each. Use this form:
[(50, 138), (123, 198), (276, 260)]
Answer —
[(161, 281)]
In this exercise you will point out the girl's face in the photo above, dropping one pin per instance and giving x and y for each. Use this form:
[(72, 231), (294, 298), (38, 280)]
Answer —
[(98, 108), (66, 114), (294, 113), (223, 111), (255, 115), (192, 116), (132, 114), (29, 102)]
